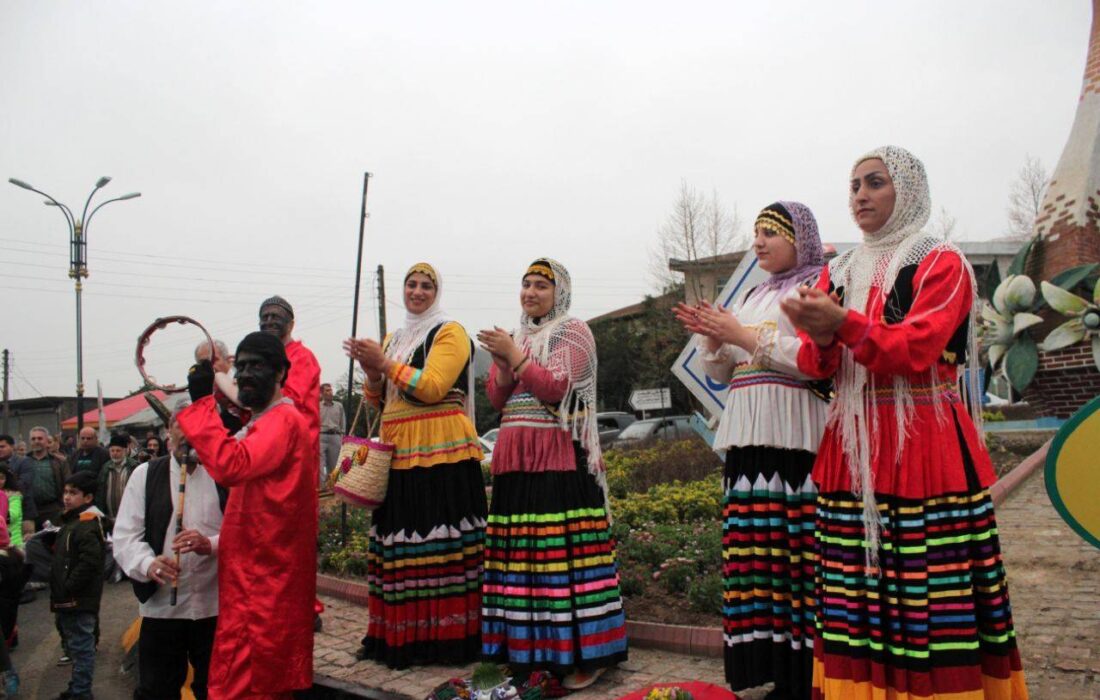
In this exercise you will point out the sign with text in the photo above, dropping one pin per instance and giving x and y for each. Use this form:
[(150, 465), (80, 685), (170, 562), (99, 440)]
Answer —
[(651, 399)]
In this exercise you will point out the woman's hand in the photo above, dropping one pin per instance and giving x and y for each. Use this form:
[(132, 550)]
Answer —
[(499, 343), (369, 355), (688, 316), (717, 324), (818, 314)]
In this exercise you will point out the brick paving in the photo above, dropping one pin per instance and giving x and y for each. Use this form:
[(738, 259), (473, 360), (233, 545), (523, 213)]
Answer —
[(334, 656), (1054, 580)]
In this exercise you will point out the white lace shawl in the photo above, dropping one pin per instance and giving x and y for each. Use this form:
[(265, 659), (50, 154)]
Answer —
[(563, 345), (874, 265)]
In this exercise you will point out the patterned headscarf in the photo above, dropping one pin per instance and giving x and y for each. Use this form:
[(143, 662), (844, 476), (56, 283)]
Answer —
[(405, 340), (795, 222), (563, 295)]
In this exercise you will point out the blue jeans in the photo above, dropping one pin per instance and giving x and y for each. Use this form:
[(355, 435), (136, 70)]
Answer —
[(78, 634)]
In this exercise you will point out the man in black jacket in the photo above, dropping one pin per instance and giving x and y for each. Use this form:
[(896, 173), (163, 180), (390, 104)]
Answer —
[(76, 580)]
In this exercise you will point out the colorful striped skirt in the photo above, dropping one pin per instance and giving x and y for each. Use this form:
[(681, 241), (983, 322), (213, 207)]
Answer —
[(768, 569), (551, 596), (424, 567), (933, 620)]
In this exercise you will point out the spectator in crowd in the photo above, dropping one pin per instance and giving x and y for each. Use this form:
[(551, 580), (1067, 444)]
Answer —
[(21, 448), (76, 580), (113, 477), (21, 478), (48, 482), (333, 427), (12, 577), (13, 504), (153, 446), (68, 445), (11, 587), (145, 541), (89, 455), (221, 353)]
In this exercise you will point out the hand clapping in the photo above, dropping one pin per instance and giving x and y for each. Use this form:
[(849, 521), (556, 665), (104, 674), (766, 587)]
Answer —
[(817, 314), (717, 323), (369, 354), (499, 343)]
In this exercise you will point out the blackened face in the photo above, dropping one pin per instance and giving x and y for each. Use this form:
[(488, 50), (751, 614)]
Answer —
[(276, 321), (256, 380)]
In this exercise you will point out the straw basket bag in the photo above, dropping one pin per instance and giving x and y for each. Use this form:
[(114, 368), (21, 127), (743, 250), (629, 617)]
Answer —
[(364, 467)]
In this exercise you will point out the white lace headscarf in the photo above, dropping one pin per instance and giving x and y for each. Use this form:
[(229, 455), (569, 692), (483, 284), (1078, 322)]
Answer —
[(405, 340), (564, 345), (873, 266)]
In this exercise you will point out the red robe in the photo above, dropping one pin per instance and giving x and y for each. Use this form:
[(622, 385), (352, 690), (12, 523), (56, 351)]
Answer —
[(267, 557), (303, 387)]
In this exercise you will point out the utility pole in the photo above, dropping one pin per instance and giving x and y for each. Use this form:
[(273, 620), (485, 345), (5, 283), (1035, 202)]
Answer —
[(7, 406), (381, 304), (354, 329)]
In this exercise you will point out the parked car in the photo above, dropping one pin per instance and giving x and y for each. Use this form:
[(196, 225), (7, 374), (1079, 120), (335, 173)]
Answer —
[(488, 442), (611, 423), (663, 428)]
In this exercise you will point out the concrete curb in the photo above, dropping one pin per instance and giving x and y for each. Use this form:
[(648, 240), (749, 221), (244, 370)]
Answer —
[(680, 639), (683, 639)]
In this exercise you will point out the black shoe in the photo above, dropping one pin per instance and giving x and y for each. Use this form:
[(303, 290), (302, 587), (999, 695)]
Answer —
[(27, 596), (361, 654), (318, 623)]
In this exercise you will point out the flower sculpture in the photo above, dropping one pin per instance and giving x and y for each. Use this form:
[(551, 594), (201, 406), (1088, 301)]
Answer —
[(1083, 323), (1005, 322)]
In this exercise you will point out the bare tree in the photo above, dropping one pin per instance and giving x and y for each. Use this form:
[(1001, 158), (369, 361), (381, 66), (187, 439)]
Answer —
[(1025, 197), (698, 227), (943, 225)]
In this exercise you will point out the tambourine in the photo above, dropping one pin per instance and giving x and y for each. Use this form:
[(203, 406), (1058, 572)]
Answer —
[(146, 336)]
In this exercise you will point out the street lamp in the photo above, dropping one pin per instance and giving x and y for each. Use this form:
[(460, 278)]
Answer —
[(78, 268)]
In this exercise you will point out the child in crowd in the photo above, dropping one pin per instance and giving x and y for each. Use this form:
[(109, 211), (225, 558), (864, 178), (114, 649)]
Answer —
[(76, 579)]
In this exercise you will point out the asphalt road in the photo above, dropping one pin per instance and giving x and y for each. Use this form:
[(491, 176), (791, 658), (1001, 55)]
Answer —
[(39, 647)]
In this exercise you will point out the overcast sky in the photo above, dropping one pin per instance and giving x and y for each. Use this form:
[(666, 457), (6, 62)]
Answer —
[(496, 132)]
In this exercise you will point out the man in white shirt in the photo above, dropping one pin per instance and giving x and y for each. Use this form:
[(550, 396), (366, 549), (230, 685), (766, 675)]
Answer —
[(145, 545)]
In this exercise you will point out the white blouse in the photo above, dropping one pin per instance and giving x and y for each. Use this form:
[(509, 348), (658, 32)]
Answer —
[(198, 588), (769, 403)]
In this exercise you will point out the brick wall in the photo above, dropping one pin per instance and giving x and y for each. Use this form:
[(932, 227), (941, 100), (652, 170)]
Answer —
[(1092, 64), (1067, 379)]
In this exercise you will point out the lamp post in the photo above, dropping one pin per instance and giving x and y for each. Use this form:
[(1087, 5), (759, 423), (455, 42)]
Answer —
[(78, 268)]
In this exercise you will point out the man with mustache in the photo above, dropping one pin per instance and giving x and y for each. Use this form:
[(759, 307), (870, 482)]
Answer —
[(267, 569)]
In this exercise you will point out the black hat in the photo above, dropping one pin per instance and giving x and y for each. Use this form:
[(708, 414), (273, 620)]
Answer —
[(119, 440), (280, 302), (268, 347)]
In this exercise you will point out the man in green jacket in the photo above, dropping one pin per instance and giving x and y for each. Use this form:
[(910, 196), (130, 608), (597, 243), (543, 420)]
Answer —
[(76, 580)]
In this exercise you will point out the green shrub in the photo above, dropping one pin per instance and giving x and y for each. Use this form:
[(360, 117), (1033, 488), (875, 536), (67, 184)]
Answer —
[(638, 469), (705, 593), (632, 582), (674, 502), (334, 558), (675, 575), (993, 416)]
